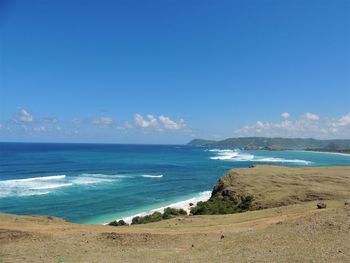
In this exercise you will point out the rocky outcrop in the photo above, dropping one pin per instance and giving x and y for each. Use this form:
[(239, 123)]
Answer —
[(226, 188)]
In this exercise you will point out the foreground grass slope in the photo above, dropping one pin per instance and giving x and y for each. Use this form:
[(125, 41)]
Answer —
[(293, 233)]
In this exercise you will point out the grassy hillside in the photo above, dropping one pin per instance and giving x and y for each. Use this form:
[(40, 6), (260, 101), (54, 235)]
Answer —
[(273, 186), (290, 233)]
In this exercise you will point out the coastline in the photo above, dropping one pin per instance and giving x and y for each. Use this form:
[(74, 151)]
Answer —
[(184, 204), (293, 222)]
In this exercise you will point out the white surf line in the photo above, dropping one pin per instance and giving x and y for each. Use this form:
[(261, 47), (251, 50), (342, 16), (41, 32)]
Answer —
[(185, 204)]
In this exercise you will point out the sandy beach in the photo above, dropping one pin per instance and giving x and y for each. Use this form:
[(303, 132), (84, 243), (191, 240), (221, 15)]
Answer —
[(185, 204)]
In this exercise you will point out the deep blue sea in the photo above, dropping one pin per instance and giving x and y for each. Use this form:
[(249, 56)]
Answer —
[(96, 183)]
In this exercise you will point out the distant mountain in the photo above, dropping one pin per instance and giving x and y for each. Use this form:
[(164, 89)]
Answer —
[(200, 142), (266, 143)]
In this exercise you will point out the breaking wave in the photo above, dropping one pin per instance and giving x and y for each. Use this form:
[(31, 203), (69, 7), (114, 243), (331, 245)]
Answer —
[(152, 176), (32, 186), (47, 184), (238, 156)]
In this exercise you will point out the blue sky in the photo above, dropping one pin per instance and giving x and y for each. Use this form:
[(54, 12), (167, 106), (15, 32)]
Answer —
[(169, 71)]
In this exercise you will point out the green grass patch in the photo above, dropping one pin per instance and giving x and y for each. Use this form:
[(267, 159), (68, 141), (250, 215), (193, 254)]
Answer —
[(221, 206)]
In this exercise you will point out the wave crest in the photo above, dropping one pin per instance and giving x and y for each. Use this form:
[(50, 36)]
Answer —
[(152, 176), (238, 156), (47, 184)]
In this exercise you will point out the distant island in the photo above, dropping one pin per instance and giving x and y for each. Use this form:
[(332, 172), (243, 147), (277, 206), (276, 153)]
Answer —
[(277, 144)]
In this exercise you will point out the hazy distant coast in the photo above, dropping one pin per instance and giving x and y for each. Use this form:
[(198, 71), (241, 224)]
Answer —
[(277, 144)]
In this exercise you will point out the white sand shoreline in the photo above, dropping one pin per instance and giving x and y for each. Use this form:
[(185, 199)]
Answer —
[(185, 204)]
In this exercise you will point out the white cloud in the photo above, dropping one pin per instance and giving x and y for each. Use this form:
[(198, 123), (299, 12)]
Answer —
[(76, 121), (148, 122), (311, 116), (160, 123), (104, 121), (50, 120), (40, 129), (344, 121), (308, 125), (170, 124), (127, 125), (25, 116), (285, 115)]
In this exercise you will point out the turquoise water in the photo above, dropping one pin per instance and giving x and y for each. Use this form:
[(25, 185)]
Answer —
[(96, 183)]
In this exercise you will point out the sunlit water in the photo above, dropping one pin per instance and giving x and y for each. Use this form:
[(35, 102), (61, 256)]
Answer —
[(91, 183)]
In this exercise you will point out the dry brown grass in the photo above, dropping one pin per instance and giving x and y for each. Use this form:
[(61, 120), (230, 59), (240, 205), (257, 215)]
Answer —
[(293, 233), (274, 186)]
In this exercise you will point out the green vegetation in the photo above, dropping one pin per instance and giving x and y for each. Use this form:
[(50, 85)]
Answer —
[(219, 206), (155, 217), (172, 212), (118, 223), (158, 216)]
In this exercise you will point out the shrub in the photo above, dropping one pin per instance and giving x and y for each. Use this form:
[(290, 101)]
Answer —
[(217, 206), (158, 216), (246, 203), (155, 217), (172, 212), (118, 223), (135, 220)]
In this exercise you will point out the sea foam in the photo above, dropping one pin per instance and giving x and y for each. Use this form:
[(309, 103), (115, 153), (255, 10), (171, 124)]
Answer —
[(152, 176), (238, 156), (48, 184), (32, 186)]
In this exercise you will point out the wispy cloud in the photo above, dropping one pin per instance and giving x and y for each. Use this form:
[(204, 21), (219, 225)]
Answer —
[(307, 125), (41, 128), (50, 120), (24, 116), (170, 124), (104, 121)]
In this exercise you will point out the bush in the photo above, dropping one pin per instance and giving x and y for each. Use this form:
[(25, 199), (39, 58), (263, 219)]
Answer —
[(158, 216), (118, 223), (246, 203), (135, 220), (172, 212), (155, 217), (218, 206)]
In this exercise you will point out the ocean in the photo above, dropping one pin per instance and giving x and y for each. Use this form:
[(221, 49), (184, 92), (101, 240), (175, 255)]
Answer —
[(97, 183)]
